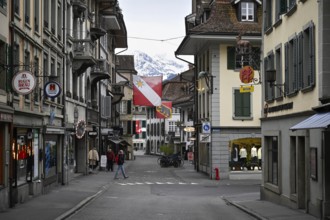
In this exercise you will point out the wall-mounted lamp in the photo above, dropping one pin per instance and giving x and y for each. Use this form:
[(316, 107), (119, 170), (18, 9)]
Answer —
[(208, 79), (270, 77)]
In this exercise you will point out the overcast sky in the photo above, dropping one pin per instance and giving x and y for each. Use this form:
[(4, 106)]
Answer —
[(160, 20)]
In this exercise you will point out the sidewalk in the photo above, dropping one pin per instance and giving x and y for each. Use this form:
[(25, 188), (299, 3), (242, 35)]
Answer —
[(63, 201)]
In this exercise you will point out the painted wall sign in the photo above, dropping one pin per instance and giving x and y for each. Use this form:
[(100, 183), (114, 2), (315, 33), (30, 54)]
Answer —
[(52, 89), (24, 82)]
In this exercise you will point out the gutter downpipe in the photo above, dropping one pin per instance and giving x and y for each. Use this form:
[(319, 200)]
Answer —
[(65, 167)]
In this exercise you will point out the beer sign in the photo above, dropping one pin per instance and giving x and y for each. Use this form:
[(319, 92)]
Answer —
[(24, 82), (52, 89)]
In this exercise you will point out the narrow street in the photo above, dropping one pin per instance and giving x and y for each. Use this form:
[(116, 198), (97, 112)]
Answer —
[(152, 192)]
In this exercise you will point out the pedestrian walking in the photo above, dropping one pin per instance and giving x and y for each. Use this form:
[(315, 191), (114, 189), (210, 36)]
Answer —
[(120, 163), (110, 159), (93, 157)]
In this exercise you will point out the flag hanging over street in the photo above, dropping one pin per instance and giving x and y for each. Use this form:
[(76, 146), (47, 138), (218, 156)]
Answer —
[(164, 110), (147, 90)]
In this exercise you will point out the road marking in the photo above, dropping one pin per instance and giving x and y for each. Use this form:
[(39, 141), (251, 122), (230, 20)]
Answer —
[(158, 183)]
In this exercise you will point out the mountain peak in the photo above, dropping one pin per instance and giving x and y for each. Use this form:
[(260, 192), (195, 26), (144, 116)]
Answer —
[(155, 65)]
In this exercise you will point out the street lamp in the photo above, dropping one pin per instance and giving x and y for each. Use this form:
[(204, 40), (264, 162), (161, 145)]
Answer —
[(270, 77)]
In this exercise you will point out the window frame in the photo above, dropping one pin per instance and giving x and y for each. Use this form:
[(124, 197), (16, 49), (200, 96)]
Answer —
[(245, 11)]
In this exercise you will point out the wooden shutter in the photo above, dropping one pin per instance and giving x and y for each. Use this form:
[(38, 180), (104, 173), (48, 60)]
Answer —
[(312, 54), (129, 106), (286, 68), (231, 59), (295, 64), (300, 76)]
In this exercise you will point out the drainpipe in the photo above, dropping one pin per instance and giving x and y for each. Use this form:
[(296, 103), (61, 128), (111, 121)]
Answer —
[(64, 145)]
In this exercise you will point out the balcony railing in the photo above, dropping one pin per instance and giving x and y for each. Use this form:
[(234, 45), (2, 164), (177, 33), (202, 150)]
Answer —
[(83, 47)]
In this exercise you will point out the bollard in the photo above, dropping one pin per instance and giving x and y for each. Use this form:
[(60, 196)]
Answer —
[(217, 174)]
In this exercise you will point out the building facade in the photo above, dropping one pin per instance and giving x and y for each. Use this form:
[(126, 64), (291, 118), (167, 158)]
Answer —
[(55, 90), (225, 119), (295, 115)]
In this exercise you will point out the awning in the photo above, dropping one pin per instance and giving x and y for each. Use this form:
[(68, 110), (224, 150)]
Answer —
[(319, 120), (120, 141)]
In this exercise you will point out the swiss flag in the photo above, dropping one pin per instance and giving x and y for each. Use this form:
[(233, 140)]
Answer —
[(147, 90)]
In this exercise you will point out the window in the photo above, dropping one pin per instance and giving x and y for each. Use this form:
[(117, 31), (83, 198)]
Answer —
[(27, 11), (16, 6), (269, 64), (59, 22), (291, 66), (242, 104), (3, 4), (171, 126), (36, 15), (247, 11), (278, 67), (123, 107), (46, 14), (268, 15), (53, 16), (271, 157)]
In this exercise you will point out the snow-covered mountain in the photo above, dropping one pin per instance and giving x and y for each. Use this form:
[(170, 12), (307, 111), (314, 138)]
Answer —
[(155, 65)]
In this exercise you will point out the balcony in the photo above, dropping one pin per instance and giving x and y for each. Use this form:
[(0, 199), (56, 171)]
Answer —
[(97, 32), (109, 20), (83, 55), (99, 71), (79, 7)]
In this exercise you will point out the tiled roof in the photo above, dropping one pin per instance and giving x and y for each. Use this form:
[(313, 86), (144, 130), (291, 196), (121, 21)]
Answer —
[(125, 62), (223, 20)]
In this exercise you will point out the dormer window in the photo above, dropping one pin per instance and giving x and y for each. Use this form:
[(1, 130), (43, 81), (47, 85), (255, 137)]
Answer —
[(247, 11)]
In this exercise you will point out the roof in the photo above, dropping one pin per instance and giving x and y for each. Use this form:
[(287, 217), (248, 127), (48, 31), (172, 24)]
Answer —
[(221, 26), (125, 63), (318, 120)]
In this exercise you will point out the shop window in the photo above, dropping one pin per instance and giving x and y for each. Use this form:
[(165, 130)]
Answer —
[(2, 158), (22, 149), (50, 158), (271, 156)]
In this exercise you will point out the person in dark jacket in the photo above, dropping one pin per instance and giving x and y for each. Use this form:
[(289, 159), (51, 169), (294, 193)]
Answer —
[(120, 163), (110, 159)]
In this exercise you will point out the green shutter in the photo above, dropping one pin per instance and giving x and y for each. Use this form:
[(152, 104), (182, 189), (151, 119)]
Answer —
[(312, 54), (231, 58), (129, 107)]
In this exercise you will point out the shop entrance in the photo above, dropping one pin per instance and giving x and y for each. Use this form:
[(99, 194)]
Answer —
[(245, 154)]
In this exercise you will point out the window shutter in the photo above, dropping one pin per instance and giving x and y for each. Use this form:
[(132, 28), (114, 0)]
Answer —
[(231, 58), (300, 70), (312, 54), (295, 64), (129, 107), (286, 68), (129, 127)]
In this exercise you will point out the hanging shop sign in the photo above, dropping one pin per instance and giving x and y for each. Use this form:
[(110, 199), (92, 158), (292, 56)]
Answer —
[(52, 89), (246, 74), (24, 82), (80, 129), (245, 89)]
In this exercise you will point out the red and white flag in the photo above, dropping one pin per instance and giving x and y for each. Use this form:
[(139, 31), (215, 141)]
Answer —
[(164, 110), (147, 90)]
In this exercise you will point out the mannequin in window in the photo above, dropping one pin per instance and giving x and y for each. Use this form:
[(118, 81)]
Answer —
[(254, 155), (243, 154), (259, 157), (234, 154)]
